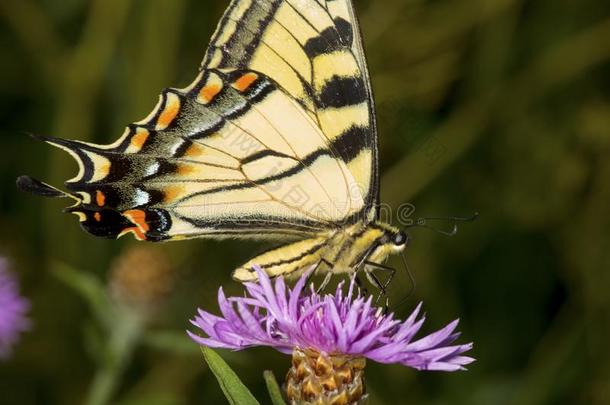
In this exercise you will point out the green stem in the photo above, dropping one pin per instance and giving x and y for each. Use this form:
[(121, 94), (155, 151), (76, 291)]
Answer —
[(124, 337), (274, 388)]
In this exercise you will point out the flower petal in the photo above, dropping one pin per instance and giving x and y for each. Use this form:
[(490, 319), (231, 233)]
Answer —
[(271, 314)]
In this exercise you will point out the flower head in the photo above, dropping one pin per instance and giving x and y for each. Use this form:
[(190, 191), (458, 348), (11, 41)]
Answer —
[(343, 324), (13, 309)]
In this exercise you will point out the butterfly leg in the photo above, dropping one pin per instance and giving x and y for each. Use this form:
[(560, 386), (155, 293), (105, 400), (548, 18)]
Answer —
[(361, 287), (373, 279), (328, 275), (369, 268)]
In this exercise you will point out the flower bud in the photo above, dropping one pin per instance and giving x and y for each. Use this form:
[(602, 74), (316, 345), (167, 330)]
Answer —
[(141, 276)]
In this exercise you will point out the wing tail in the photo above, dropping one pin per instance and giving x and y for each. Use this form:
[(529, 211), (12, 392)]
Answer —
[(34, 186)]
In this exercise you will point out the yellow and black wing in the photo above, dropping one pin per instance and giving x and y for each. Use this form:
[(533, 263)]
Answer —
[(274, 138), (312, 49)]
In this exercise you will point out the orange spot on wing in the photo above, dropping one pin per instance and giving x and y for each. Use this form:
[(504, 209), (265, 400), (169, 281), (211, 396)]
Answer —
[(185, 170), (100, 198), (139, 139), (243, 83), (207, 93), (172, 107), (194, 151), (138, 218), (172, 193), (97, 216)]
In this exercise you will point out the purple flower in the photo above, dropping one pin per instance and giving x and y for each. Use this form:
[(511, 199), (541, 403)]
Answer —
[(13, 308), (341, 324)]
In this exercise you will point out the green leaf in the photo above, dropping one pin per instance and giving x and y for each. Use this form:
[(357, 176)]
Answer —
[(274, 389), (235, 391)]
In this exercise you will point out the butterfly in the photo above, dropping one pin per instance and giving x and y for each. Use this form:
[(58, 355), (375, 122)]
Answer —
[(275, 139)]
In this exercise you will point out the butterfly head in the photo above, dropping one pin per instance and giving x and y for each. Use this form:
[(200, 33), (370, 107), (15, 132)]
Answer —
[(396, 240), (400, 239), (384, 241), (388, 240)]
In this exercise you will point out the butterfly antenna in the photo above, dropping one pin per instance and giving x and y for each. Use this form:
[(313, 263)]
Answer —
[(423, 223), (411, 279)]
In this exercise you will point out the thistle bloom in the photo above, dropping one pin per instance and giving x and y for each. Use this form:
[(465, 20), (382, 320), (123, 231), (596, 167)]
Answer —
[(13, 309), (326, 334)]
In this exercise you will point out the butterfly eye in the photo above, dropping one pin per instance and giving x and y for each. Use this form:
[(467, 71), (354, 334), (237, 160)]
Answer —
[(400, 238)]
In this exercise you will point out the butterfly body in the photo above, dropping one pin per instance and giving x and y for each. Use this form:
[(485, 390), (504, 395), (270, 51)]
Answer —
[(274, 139), (339, 251)]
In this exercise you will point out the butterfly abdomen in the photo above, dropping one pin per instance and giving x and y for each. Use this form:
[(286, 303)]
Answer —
[(344, 250)]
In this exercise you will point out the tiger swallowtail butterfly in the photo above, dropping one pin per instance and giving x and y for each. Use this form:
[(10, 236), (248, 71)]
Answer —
[(275, 139)]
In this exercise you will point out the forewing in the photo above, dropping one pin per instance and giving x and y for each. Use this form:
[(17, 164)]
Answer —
[(313, 50)]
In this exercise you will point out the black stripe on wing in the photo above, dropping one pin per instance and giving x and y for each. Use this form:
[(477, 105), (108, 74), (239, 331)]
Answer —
[(341, 91), (298, 167)]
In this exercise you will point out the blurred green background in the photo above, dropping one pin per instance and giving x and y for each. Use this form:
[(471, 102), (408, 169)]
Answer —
[(496, 106)]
